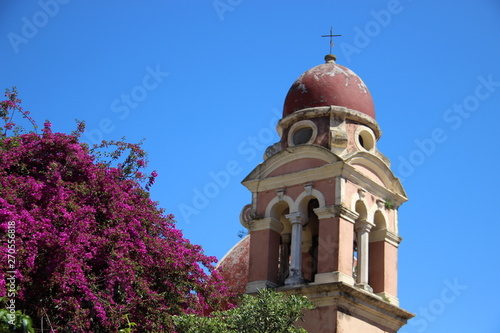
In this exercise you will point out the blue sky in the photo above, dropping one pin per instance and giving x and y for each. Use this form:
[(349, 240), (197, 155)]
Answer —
[(204, 82)]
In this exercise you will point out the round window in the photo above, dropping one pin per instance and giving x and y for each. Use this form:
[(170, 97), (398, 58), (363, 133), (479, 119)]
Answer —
[(302, 132), (302, 135), (366, 140)]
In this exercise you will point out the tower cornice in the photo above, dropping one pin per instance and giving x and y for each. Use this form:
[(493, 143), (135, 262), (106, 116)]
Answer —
[(259, 180), (336, 112)]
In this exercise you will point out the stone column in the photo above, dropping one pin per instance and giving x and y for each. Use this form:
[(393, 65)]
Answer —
[(297, 220), (363, 228)]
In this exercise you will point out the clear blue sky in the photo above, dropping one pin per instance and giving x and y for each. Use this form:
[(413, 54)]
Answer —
[(204, 81)]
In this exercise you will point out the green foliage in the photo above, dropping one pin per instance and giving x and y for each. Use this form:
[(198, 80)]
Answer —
[(267, 312), (389, 204), (130, 326), (22, 323)]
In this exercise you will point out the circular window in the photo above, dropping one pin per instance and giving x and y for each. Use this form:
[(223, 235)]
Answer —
[(302, 135), (365, 139), (303, 132)]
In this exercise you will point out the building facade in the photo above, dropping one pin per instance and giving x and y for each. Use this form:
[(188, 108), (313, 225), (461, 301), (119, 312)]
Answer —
[(323, 220)]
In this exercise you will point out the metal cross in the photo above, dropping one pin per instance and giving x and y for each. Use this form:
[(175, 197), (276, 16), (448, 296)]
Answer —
[(331, 35)]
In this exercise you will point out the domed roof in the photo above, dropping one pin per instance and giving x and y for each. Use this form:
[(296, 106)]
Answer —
[(329, 84), (234, 266)]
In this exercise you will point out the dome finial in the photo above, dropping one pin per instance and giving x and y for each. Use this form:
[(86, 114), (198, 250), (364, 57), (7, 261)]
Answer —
[(330, 57)]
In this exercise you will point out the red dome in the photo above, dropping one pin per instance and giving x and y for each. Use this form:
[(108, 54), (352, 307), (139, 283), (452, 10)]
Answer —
[(235, 265), (329, 84)]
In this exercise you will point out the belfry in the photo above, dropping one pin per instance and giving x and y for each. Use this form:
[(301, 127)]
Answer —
[(323, 221)]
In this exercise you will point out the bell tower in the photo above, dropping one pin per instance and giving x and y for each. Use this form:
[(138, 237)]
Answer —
[(323, 220)]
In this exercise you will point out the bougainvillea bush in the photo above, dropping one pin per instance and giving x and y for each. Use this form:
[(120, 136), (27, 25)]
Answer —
[(92, 251)]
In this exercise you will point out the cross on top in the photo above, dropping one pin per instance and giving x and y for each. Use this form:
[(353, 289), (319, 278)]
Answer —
[(331, 35)]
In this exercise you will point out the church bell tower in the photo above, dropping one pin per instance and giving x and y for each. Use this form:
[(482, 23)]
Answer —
[(323, 221)]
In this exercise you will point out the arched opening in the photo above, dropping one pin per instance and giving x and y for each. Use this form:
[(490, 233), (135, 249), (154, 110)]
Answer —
[(310, 242), (377, 269), (379, 221), (278, 212), (285, 247), (360, 208)]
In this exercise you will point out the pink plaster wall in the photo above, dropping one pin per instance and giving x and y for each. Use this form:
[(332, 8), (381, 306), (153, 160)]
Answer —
[(391, 269), (320, 320), (296, 166), (368, 173), (264, 251), (383, 268), (348, 324)]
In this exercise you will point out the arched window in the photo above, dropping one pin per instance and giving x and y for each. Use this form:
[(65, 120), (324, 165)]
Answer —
[(310, 242), (285, 246), (377, 269)]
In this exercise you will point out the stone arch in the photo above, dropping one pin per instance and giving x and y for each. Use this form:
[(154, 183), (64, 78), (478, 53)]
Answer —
[(277, 209), (274, 207), (379, 220), (360, 208), (300, 204), (358, 202)]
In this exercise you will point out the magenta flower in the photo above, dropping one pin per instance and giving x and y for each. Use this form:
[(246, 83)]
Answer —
[(91, 246)]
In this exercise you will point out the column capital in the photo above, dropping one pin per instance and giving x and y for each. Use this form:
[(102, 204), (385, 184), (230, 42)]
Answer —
[(297, 218), (336, 211), (363, 225)]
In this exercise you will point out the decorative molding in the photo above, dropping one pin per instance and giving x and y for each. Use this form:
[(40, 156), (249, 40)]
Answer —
[(388, 298), (338, 138), (339, 113), (354, 302), (364, 286), (380, 204), (272, 150), (363, 226), (359, 179), (297, 218), (281, 193), (256, 181), (386, 236), (308, 188), (247, 215), (336, 276), (289, 155), (340, 190), (265, 224), (379, 167), (336, 211), (361, 194)]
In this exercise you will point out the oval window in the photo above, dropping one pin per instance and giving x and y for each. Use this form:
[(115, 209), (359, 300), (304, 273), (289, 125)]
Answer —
[(365, 140), (302, 135)]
